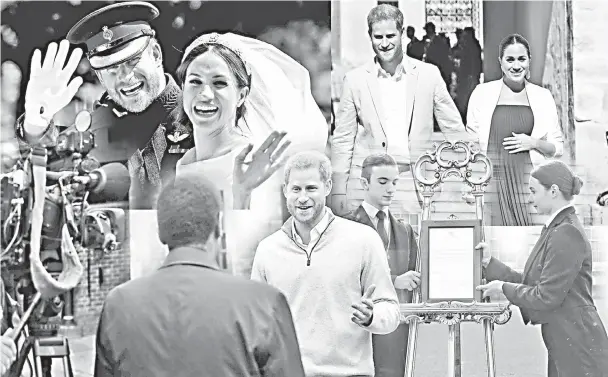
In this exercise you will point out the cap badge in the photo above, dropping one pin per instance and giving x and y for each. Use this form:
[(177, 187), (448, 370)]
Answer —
[(107, 33), (214, 37)]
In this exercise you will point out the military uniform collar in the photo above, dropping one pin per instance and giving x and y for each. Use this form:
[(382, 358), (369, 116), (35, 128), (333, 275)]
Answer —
[(168, 97)]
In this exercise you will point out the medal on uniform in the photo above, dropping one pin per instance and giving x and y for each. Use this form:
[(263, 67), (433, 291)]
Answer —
[(178, 139)]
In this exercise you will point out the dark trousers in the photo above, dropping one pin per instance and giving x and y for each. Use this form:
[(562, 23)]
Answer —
[(389, 352)]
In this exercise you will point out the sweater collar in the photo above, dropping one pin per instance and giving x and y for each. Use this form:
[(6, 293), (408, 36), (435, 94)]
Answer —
[(289, 224)]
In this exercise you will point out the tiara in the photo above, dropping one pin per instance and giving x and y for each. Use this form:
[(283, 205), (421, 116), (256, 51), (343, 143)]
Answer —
[(215, 39)]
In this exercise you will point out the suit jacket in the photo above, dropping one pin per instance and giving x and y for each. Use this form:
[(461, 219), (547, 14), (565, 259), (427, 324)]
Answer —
[(555, 290), (390, 349), (188, 319), (359, 121), (402, 245), (481, 107)]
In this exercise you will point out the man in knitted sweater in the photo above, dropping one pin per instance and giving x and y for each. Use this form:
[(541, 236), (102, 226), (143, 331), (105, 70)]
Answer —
[(334, 273)]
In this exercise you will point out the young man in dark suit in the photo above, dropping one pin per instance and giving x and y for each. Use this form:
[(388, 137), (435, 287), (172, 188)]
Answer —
[(379, 177)]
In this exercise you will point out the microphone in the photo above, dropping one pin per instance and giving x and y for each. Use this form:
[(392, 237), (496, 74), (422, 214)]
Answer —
[(110, 182)]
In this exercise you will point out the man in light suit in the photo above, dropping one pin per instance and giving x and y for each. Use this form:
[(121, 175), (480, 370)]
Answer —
[(379, 178), (387, 106)]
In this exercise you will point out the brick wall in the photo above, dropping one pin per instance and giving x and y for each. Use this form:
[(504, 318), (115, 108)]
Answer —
[(106, 272)]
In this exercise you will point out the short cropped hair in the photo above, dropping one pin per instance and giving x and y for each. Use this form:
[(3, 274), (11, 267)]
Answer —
[(188, 210), (384, 12), (375, 160), (307, 160)]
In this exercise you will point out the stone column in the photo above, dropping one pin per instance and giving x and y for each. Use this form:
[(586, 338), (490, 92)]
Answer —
[(558, 72)]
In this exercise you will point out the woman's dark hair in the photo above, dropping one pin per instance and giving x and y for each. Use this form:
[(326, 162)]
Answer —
[(555, 172), (235, 64), (510, 40)]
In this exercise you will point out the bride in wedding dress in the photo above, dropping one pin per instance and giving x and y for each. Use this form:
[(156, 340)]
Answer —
[(241, 95)]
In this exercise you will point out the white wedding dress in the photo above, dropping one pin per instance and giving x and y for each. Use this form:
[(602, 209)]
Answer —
[(280, 99), (244, 228)]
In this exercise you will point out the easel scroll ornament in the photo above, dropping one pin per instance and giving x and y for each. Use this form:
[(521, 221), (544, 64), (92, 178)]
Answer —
[(452, 313)]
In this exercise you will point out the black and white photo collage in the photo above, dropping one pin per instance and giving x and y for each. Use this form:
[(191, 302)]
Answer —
[(303, 188)]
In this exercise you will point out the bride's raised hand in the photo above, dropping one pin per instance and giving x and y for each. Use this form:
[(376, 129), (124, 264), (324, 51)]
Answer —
[(266, 160)]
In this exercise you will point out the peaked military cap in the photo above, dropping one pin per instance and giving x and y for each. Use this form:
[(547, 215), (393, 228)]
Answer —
[(115, 33)]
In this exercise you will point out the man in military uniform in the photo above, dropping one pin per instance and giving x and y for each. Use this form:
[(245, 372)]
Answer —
[(131, 122)]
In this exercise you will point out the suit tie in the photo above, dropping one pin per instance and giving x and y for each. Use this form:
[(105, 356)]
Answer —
[(382, 228)]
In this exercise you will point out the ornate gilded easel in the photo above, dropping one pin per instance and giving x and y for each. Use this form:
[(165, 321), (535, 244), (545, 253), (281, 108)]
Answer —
[(452, 313)]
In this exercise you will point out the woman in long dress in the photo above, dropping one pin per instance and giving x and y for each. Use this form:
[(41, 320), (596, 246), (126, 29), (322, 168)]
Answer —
[(240, 95), (518, 128)]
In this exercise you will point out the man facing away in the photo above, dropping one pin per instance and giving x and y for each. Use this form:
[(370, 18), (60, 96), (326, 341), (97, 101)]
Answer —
[(379, 178), (189, 318), (334, 273), (387, 106)]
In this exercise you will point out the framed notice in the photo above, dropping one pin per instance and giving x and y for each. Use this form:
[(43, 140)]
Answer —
[(450, 265)]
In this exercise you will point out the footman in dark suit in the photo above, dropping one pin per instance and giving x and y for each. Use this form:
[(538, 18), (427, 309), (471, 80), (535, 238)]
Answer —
[(555, 288), (379, 178)]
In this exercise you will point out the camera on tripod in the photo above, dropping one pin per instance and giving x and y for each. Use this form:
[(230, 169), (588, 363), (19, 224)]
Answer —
[(60, 180)]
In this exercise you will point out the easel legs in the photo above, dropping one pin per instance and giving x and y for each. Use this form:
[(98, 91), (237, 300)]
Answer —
[(412, 340), (488, 327), (454, 349), (454, 356)]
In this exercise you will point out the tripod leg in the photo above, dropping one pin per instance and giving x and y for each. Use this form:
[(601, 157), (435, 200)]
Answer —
[(412, 340), (67, 367), (17, 367), (488, 327), (38, 367), (67, 360)]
